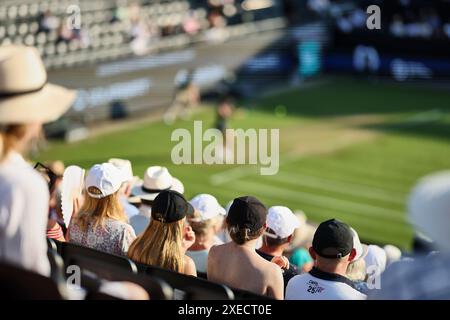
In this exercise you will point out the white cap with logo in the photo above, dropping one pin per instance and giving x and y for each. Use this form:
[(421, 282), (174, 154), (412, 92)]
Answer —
[(282, 221), (208, 206), (106, 177)]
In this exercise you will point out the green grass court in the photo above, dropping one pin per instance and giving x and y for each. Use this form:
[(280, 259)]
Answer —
[(349, 149)]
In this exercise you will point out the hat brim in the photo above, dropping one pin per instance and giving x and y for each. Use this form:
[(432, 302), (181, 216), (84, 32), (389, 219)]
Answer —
[(45, 105), (138, 192)]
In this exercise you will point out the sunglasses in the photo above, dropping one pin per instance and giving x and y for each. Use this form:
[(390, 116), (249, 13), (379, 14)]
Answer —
[(49, 176)]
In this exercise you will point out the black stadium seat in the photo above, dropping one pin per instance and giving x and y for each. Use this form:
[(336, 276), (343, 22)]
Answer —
[(96, 266), (189, 287), (19, 284), (101, 263)]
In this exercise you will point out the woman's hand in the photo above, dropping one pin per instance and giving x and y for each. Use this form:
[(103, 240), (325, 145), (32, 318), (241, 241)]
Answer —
[(189, 238), (281, 261)]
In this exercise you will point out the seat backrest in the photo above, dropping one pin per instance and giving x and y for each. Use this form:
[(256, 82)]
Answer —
[(103, 264), (189, 287), (247, 295), (20, 284), (113, 268), (57, 270)]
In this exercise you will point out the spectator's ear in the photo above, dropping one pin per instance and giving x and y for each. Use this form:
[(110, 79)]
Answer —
[(289, 239), (352, 255), (312, 253)]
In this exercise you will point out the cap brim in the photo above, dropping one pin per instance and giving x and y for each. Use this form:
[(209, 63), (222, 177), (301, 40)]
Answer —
[(46, 105), (137, 190)]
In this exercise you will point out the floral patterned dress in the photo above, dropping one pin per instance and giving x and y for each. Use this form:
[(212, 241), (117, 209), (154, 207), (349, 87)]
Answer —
[(113, 236)]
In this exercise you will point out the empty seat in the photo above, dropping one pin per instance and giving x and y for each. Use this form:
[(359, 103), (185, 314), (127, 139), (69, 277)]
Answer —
[(97, 265), (17, 283), (189, 287), (101, 263)]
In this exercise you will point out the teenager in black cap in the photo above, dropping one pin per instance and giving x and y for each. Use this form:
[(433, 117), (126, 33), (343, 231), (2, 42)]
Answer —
[(167, 237), (237, 264), (332, 249)]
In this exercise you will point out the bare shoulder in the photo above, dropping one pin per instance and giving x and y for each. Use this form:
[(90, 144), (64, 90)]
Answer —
[(216, 250), (189, 268), (273, 269)]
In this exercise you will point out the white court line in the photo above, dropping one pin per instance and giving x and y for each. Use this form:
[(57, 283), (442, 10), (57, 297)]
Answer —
[(346, 188), (321, 213), (357, 208)]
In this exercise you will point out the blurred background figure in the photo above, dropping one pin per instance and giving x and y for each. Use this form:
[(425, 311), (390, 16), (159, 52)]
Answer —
[(186, 97)]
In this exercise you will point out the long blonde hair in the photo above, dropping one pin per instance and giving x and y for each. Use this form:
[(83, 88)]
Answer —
[(160, 245), (96, 211)]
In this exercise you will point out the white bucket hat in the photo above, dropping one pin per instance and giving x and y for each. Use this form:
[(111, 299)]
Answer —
[(106, 178), (25, 94), (208, 206), (156, 179), (282, 221)]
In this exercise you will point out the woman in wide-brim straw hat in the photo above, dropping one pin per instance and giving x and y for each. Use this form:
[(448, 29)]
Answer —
[(27, 101)]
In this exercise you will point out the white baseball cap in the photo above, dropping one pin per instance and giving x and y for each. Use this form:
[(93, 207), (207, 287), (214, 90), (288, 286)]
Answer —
[(124, 166), (361, 250), (282, 221), (105, 177), (429, 208), (375, 257), (208, 206)]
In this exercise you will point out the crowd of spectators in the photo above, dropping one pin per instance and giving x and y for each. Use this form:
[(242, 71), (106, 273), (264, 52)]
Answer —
[(268, 251), (138, 24), (399, 18)]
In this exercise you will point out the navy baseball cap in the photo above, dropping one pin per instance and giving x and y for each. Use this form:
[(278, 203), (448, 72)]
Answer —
[(170, 206), (333, 239), (247, 212)]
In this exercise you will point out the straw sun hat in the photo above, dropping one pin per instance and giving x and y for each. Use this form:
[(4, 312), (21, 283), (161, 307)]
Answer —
[(25, 94)]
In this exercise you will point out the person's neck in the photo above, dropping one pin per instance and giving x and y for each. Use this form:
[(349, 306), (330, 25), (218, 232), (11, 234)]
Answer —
[(273, 251), (340, 269), (248, 246)]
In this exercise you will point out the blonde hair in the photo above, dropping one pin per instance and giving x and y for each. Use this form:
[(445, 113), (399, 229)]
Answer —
[(160, 245), (9, 137), (96, 211), (201, 227), (356, 270)]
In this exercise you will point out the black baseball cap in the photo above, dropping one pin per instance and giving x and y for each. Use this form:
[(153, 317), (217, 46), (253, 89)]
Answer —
[(333, 239), (170, 206), (247, 212)]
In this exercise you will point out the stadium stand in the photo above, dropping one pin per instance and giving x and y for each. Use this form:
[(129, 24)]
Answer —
[(107, 29), (158, 282)]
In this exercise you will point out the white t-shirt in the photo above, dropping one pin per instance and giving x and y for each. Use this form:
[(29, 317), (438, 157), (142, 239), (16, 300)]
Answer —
[(200, 258), (24, 207), (141, 221), (321, 286)]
